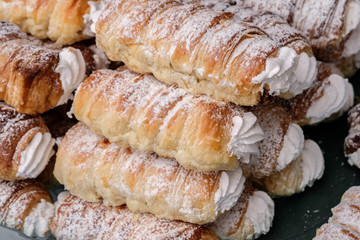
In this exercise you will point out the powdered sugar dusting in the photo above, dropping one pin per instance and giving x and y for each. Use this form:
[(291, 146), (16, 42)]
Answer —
[(98, 221)]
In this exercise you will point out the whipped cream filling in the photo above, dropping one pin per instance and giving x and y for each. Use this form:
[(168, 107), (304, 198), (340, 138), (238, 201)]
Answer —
[(72, 70), (90, 19), (354, 158), (352, 26), (100, 58), (312, 164), (36, 155), (292, 147), (334, 98), (349, 98), (261, 211), (245, 136), (37, 224), (231, 186), (289, 72)]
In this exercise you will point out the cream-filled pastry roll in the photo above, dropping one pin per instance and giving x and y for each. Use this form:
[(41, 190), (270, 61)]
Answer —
[(329, 97), (332, 27), (94, 169), (202, 50), (65, 21), (298, 175), (352, 140), (26, 144), (345, 221), (36, 76), (26, 206), (250, 218), (137, 110)]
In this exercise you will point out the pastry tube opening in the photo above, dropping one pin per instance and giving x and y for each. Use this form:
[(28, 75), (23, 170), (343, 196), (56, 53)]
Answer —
[(312, 164), (292, 146), (36, 155), (72, 70)]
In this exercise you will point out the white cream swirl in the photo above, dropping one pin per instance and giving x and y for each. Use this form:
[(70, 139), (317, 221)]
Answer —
[(349, 98), (37, 224), (36, 155), (90, 19), (352, 27), (289, 72), (312, 164), (260, 211), (245, 136), (335, 96), (354, 158), (72, 70), (230, 188), (292, 146), (100, 58)]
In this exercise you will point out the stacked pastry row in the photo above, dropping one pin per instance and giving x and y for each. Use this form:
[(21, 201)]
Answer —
[(194, 133)]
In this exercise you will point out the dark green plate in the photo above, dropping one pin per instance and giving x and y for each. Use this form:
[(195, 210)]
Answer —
[(297, 217)]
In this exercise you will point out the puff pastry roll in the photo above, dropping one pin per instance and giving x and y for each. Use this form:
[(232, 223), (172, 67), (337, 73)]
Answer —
[(345, 222), (331, 26), (352, 141), (25, 145), (64, 22), (92, 168), (283, 142), (329, 96), (251, 217), (298, 175), (36, 76), (26, 206), (140, 111), (201, 50), (78, 219)]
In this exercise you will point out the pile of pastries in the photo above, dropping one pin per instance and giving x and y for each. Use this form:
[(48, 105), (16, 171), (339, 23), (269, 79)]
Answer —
[(170, 119)]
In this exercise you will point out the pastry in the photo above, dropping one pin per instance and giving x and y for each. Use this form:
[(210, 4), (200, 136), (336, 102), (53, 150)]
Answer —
[(345, 221), (92, 168), (201, 50), (251, 217), (283, 142), (26, 206), (140, 111), (36, 76), (64, 22), (330, 96), (331, 26), (25, 145), (301, 173), (352, 141), (78, 219)]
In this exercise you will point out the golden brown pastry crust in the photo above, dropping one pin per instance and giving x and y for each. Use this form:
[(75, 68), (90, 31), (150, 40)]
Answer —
[(92, 168), (78, 219), (199, 49), (16, 131), (61, 21), (137, 110), (18, 199)]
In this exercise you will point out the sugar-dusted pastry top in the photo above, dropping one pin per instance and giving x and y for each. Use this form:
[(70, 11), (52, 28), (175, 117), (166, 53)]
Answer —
[(62, 21), (251, 217), (26, 206), (330, 95), (345, 221), (36, 76), (25, 144), (78, 219), (92, 168), (138, 110), (201, 50), (332, 27), (352, 141)]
